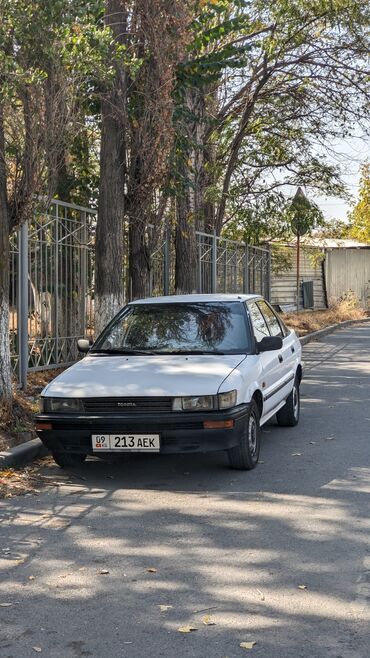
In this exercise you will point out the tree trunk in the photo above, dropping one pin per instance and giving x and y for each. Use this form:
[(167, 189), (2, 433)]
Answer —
[(186, 245), (189, 217), (5, 365), (109, 251), (139, 260)]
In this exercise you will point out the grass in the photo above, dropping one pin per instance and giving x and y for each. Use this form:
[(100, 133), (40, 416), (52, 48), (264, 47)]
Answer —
[(306, 322)]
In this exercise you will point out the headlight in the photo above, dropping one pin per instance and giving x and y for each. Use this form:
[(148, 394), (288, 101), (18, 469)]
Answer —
[(62, 405), (196, 403), (227, 400), (206, 402)]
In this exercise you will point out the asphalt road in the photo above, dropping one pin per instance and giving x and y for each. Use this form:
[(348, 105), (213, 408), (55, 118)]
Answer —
[(231, 545)]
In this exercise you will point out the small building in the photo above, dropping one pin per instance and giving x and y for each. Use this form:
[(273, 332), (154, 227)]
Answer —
[(329, 268)]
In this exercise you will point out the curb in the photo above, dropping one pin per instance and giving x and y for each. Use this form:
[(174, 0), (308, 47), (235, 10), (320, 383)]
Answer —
[(315, 335), (22, 454)]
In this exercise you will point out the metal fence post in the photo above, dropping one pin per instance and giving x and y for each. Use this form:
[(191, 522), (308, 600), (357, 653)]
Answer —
[(246, 270), (23, 304), (214, 263), (56, 284), (268, 274), (83, 274), (166, 264)]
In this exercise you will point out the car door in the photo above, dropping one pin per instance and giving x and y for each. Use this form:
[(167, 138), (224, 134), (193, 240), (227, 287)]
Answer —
[(286, 355), (270, 364)]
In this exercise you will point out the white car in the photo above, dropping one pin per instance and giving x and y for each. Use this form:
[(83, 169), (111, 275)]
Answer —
[(188, 373)]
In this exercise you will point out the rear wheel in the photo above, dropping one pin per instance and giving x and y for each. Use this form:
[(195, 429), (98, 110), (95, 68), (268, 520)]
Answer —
[(65, 459), (288, 416), (245, 456)]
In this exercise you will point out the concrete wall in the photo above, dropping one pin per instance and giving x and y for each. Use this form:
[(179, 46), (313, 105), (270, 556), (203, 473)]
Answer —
[(283, 285), (348, 269)]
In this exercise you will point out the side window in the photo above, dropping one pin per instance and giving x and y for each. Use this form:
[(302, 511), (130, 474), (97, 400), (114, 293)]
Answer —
[(271, 319), (258, 321)]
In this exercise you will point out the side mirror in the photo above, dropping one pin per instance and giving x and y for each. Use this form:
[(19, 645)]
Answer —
[(83, 345), (270, 343)]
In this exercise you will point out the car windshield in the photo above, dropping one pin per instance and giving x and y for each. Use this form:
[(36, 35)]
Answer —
[(187, 328)]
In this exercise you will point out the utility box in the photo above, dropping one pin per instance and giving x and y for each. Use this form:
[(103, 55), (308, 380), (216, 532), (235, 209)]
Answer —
[(307, 292)]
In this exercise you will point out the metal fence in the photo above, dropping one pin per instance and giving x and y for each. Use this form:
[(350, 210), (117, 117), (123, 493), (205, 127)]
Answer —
[(51, 287), (52, 281)]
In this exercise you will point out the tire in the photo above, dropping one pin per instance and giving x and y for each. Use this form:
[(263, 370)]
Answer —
[(64, 459), (288, 416), (244, 457)]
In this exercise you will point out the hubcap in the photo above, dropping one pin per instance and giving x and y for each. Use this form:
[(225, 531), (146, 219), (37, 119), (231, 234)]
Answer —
[(252, 435), (295, 402)]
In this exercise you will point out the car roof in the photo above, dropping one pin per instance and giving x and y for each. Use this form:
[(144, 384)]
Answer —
[(181, 299)]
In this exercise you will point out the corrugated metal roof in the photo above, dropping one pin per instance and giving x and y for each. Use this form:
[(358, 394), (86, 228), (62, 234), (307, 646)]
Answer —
[(327, 243)]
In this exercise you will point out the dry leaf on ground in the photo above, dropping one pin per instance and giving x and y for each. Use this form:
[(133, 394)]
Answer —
[(187, 629), (208, 621), (152, 570), (164, 608), (247, 645)]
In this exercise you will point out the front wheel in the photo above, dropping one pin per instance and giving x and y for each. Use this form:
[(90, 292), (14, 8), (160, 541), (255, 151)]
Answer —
[(244, 457), (288, 416), (65, 459)]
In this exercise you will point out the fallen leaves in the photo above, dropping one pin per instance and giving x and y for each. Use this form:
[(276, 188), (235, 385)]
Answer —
[(247, 645), (187, 629), (7, 473), (20, 481), (208, 621), (151, 570)]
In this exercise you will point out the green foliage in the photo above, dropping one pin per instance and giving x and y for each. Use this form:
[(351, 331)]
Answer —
[(303, 215), (360, 215)]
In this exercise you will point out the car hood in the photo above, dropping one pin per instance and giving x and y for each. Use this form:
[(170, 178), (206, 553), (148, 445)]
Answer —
[(165, 375)]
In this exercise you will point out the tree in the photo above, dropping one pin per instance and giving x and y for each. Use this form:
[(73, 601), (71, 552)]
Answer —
[(360, 216), (39, 80), (109, 245), (289, 76)]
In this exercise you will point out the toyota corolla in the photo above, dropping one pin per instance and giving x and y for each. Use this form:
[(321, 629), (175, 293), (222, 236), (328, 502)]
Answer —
[(181, 374)]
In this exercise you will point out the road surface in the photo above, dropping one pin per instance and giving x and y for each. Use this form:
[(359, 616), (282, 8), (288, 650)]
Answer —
[(279, 556)]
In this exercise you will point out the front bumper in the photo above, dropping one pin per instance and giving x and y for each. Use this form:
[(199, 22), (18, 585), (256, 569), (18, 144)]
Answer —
[(179, 432)]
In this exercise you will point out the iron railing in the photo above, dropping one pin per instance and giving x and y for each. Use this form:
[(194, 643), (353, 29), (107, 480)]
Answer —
[(51, 290)]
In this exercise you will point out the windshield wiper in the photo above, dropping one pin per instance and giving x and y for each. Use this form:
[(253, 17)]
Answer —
[(194, 352), (122, 351)]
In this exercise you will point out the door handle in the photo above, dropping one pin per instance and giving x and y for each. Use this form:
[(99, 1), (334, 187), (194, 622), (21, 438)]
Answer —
[(292, 348), (281, 358)]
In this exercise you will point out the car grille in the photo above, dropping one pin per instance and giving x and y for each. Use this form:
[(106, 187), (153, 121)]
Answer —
[(130, 405)]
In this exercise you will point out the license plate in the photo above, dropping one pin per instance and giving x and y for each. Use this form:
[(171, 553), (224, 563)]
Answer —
[(126, 442)]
